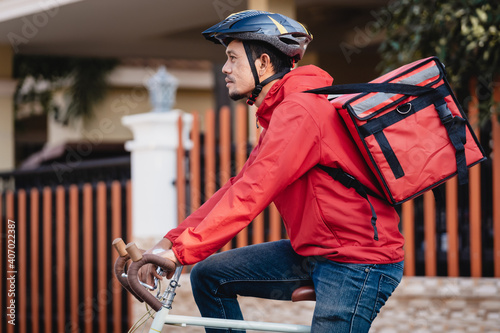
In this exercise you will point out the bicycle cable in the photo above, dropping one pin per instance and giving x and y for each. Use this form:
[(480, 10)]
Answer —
[(145, 317)]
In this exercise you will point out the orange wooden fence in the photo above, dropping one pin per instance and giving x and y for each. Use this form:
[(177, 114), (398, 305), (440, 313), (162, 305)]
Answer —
[(63, 258)]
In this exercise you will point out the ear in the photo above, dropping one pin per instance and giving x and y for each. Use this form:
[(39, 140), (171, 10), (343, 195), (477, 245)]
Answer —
[(263, 64)]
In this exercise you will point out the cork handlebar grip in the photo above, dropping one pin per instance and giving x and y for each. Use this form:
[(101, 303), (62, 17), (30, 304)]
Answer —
[(119, 245), (119, 267), (134, 252)]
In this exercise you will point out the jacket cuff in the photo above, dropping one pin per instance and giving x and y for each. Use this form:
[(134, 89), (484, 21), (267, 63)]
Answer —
[(171, 235), (179, 257)]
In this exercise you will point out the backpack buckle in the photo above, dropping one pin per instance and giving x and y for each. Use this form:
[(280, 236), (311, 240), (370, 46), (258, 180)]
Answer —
[(347, 180)]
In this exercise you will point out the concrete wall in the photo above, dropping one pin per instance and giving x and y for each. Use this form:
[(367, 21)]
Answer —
[(458, 305)]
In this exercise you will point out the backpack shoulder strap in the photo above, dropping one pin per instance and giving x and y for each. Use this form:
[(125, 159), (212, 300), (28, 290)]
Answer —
[(350, 182)]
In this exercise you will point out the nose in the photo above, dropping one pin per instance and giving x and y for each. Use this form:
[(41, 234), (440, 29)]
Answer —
[(226, 68)]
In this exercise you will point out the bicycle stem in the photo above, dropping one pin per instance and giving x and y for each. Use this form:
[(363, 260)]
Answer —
[(169, 294)]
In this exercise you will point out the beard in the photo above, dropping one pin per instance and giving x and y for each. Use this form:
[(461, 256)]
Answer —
[(237, 92), (235, 96)]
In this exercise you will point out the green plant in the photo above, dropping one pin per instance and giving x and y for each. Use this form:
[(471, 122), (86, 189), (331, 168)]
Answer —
[(464, 35), (39, 76)]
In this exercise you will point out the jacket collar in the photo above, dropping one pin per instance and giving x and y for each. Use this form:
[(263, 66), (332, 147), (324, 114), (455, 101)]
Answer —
[(298, 80)]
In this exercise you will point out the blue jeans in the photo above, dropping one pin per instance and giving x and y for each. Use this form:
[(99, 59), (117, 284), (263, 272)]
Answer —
[(348, 296)]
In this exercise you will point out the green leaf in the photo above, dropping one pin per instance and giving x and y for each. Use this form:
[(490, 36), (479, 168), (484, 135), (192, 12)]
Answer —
[(465, 35), (483, 17)]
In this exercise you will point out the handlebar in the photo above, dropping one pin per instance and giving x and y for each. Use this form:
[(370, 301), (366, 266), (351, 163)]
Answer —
[(119, 268), (131, 282)]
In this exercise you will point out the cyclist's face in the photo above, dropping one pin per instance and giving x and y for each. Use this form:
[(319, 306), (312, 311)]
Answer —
[(239, 77)]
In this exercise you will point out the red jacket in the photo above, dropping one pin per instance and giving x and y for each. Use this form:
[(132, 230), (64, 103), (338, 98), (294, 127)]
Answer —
[(321, 216)]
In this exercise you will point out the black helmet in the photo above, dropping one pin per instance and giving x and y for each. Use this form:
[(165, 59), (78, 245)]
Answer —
[(286, 35)]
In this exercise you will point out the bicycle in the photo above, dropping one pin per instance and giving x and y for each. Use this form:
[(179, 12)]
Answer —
[(162, 302)]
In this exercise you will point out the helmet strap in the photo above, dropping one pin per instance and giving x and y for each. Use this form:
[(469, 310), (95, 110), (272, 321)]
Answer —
[(258, 88), (259, 85)]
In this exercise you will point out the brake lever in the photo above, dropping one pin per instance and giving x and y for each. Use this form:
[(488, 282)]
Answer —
[(147, 286), (155, 280)]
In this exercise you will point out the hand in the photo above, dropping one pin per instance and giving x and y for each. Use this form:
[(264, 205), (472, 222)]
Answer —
[(147, 273)]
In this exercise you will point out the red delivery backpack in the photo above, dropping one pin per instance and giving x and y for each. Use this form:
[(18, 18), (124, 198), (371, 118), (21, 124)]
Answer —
[(410, 129)]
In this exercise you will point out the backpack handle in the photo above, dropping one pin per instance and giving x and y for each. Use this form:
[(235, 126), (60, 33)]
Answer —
[(395, 88)]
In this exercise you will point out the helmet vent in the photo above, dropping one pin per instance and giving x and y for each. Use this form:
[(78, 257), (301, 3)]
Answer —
[(289, 40), (239, 15)]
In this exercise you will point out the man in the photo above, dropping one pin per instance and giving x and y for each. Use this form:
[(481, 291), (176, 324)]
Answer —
[(354, 264)]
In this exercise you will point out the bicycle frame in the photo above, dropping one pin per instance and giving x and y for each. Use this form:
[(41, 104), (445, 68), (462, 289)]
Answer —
[(163, 317), (163, 303)]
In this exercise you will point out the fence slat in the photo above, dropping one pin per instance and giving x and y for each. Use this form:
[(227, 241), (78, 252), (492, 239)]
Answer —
[(274, 223), (48, 275), (225, 151), (258, 223), (408, 221), (61, 256), (475, 194), (496, 183), (225, 144), (22, 257), (452, 226), (116, 231), (181, 176), (9, 211), (102, 247), (240, 158), (241, 136), (475, 220), (430, 234), (88, 234), (35, 258), (242, 238), (210, 173), (258, 229), (73, 256), (194, 166)]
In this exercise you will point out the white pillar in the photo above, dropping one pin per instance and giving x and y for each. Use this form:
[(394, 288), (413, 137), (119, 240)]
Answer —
[(154, 171), (7, 89), (154, 161)]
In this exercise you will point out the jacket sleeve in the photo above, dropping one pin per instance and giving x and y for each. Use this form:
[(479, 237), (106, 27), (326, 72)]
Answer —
[(289, 148), (197, 216)]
